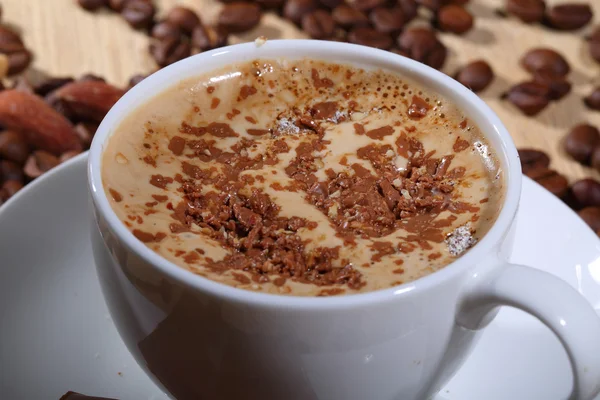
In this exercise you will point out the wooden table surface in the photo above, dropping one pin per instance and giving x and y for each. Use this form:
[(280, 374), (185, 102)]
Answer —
[(67, 40)]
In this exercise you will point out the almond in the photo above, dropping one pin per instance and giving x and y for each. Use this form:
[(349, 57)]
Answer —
[(89, 99), (44, 128)]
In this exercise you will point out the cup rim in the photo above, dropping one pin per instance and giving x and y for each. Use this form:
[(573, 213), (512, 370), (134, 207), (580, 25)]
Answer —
[(163, 79)]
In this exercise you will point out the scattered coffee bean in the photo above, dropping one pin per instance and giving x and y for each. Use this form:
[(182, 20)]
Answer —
[(455, 19), (294, 10), (387, 20), (544, 60), (530, 97), (13, 147), (183, 18), (38, 163), (10, 171), (433, 5), (568, 17), (421, 44), (139, 14), (12, 46), (116, 5), (558, 86), (331, 4), (594, 45), (270, 4), (207, 38), (591, 216), (239, 17), (68, 155), (528, 11), (11, 188), (532, 159), (476, 75), (593, 99), (50, 84), (348, 17), (554, 182), (595, 159), (409, 9), (365, 5), (370, 37), (581, 141), (92, 5), (586, 192), (164, 30), (86, 131), (134, 80), (170, 50), (318, 24)]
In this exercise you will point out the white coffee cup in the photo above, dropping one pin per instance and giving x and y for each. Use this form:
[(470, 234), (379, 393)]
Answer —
[(199, 339)]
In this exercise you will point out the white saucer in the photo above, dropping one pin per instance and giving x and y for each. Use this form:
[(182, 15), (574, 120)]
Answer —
[(56, 334)]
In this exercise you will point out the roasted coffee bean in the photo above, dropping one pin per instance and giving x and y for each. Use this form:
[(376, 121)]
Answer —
[(568, 17), (294, 10), (545, 60), (532, 159), (48, 85), (595, 159), (331, 4), (139, 14), (370, 37), (164, 30), (387, 20), (528, 11), (10, 41), (594, 45), (239, 17), (134, 80), (421, 44), (433, 5), (365, 5), (170, 50), (207, 38), (530, 97), (409, 9), (586, 192), (184, 18), (18, 61), (476, 75), (318, 24), (558, 86), (86, 132), (593, 99), (116, 5), (91, 77), (38, 163), (581, 141), (269, 4), (555, 183), (11, 187), (455, 19), (10, 171), (68, 155), (591, 216), (348, 17), (13, 147), (92, 5)]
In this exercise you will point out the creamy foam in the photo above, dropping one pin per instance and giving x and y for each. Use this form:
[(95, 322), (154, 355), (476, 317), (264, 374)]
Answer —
[(366, 178)]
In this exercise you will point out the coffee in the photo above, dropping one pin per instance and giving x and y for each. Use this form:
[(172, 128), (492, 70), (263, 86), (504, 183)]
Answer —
[(303, 177)]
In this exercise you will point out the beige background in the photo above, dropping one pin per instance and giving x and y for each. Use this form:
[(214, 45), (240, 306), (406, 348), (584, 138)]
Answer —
[(67, 40)]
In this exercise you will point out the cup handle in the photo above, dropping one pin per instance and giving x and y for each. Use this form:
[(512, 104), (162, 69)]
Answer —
[(551, 300)]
